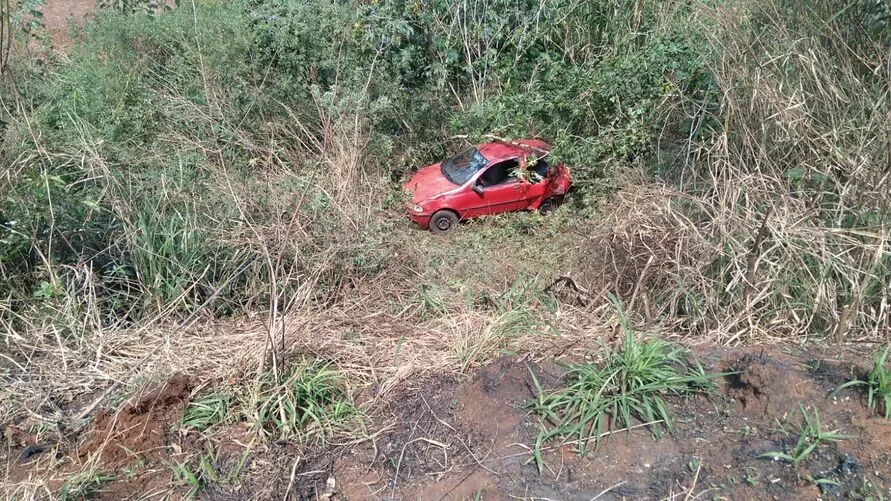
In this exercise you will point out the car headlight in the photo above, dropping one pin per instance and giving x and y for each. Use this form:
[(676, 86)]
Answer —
[(415, 208)]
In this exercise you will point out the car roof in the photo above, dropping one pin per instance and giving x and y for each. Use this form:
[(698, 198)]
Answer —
[(502, 150)]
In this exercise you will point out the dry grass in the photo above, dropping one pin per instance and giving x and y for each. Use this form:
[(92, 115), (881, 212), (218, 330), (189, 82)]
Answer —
[(781, 229), (59, 385)]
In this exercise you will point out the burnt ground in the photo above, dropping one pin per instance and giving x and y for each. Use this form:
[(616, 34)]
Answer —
[(470, 438)]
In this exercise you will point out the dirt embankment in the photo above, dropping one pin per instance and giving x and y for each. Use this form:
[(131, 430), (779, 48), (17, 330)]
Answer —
[(471, 438), (474, 438)]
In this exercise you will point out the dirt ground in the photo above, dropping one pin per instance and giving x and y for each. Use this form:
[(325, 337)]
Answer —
[(59, 16), (469, 438)]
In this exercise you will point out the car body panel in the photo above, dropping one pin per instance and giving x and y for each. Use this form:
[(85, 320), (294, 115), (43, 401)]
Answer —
[(431, 191)]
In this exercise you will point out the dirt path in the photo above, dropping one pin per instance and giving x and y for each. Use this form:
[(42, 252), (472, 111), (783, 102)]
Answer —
[(448, 438)]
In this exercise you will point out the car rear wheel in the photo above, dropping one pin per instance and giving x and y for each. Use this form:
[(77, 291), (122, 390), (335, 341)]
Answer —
[(548, 205), (443, 221)]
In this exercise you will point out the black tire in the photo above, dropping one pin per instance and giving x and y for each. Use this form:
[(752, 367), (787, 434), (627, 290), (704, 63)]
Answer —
[(548, 205), (443, 221)]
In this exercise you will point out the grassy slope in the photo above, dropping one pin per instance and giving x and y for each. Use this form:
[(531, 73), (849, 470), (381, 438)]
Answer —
[(210, 210)]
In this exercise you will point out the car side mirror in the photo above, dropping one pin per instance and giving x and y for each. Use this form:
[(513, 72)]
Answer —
[(477, 189)]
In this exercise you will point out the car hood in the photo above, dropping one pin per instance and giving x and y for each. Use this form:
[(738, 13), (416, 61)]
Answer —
[(428, 183)]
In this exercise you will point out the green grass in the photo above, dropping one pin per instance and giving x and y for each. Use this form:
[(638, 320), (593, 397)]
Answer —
[(628, 386), (184, 476), (308, 398), (208, 410), (83, 485), (810, 436), (304, 399), (877, 384)]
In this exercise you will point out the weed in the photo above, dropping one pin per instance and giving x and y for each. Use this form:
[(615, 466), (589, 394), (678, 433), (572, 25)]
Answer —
[(83, 485), (824, 484), (207, 410), (877, 384), (307, 398), (628, 385), (303, 399), (426, 303), (184, 476), (810, 436), (867, 491), (751, 479)]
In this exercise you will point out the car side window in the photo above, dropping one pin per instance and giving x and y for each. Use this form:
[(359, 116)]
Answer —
[(498, 173)]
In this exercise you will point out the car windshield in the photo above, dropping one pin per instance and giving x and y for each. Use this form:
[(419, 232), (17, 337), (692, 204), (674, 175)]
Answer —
[(461, 167)]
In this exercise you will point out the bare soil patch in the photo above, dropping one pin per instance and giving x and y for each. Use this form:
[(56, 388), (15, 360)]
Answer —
[(60, 16), (139, 430), (483, 427)]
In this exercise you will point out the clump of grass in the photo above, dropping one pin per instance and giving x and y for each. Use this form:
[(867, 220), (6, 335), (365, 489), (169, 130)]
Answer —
[(877, 384), (83, 485), (185, 477), (810, 436), (305, 398), (208, 410), (426, 303), (628, 385)]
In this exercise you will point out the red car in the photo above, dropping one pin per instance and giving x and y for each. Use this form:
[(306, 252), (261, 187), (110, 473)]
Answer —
[(491, 178)]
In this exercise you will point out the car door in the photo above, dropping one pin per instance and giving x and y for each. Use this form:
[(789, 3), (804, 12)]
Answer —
[(535, 189), (496, 191)]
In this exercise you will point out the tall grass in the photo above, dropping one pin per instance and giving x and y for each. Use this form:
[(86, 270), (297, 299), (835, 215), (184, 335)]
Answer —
[(778, 225)]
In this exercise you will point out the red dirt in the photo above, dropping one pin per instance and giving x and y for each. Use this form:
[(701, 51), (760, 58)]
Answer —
[(720, 436), (57, 14), (139, 429), (453, 439)]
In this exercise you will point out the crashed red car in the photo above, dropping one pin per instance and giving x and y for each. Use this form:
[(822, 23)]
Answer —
[(490, 178)]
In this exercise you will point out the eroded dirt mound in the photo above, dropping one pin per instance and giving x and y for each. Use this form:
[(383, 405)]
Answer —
[(765, 383), (139, 429)]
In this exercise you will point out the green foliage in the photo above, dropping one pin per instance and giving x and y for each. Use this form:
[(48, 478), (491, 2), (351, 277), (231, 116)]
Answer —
[(184, 476), (84, 485), (628, 386), (428, 301), (877, 384), (152, 153), (810, 436), (28, 16), (136, 6), (306, 399), (208, 410)]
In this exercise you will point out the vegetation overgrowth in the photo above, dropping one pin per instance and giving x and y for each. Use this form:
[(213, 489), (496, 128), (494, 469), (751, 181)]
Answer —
[(182, 171)]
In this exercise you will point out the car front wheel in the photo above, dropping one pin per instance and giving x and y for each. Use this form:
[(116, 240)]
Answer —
[(443, 221), (547, 206)]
